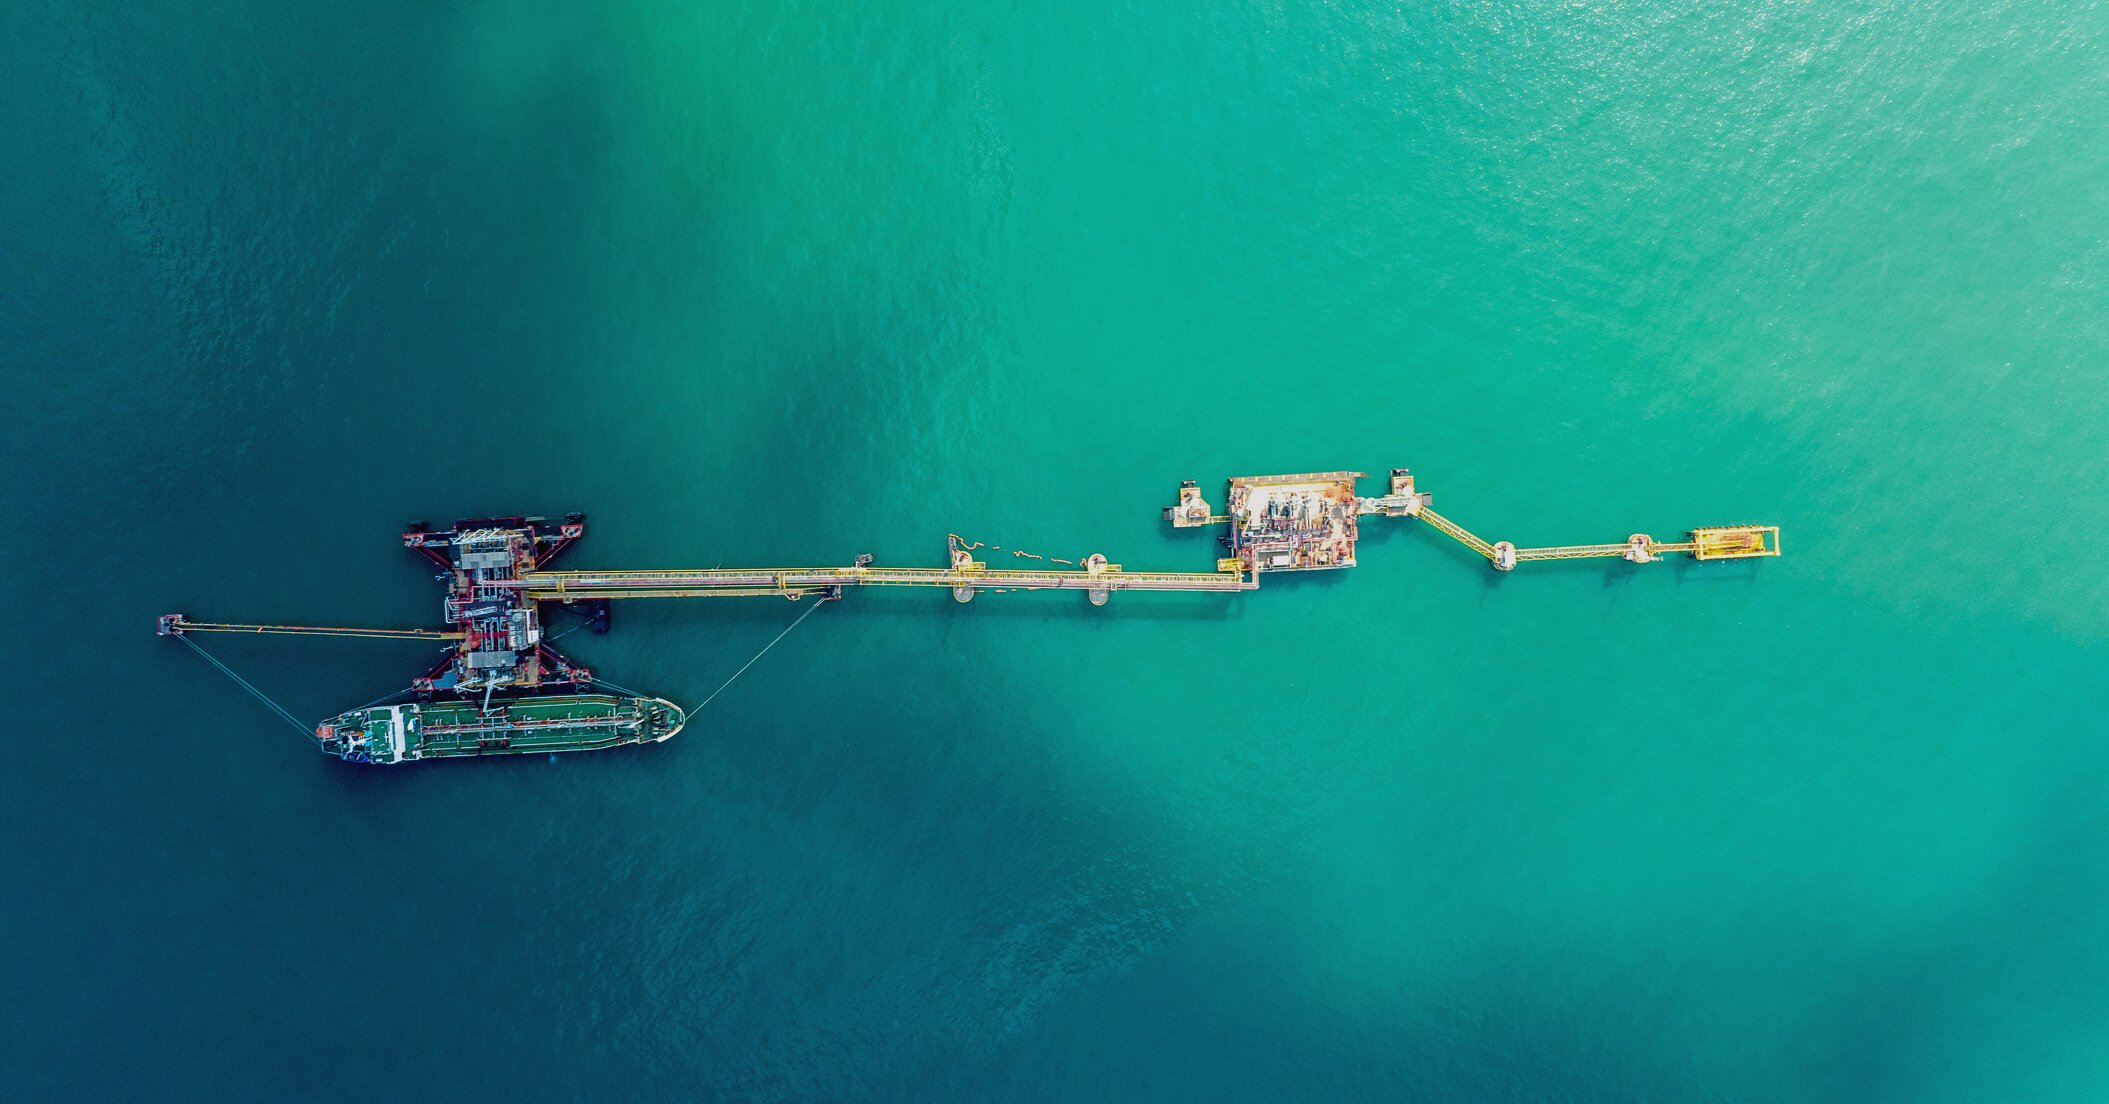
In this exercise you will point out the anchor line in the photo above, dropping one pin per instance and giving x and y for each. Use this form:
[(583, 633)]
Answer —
[(282, 711), (565, 633), (759, 655)]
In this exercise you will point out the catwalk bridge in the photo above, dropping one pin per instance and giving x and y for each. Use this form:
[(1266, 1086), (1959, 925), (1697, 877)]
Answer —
[(1277, 523), (1302, 522), (499, 681), (966, 577), (499, 579)]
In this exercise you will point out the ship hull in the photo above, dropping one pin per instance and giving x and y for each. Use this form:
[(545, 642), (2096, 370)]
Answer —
[(461, 729)]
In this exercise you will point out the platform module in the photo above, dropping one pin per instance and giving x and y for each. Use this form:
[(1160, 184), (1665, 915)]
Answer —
[(1735, 542), (502, 644), (1192, 510)]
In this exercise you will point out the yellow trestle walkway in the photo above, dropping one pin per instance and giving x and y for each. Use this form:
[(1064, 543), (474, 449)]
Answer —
[(966, 576), (794, 581), (171, 626), (1455, 532), (1727, 542), (1280, 523)]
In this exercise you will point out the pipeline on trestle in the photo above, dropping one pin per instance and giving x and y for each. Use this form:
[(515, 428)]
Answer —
[(499, 687)]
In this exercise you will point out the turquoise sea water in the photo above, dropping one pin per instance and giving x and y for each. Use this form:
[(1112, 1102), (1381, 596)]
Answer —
[(782, 283)]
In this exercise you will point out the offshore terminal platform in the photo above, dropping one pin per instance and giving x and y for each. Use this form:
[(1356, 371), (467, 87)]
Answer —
[(500, 688)]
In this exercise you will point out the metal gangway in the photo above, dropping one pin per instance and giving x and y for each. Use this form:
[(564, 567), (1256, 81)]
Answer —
[(1724, 542), (963, 579), (175, 624)]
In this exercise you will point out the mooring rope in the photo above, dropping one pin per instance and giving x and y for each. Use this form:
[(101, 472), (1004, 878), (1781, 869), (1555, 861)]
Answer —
[(282, 711), (758, 655), (308, 730)]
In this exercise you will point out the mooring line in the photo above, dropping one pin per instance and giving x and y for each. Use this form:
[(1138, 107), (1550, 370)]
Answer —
[(282, 711), (760, 654)]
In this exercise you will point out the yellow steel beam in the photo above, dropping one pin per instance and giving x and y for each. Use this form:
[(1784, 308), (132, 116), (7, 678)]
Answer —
[(1735, 542), (1572, 552), (548, 595), (1456, 532), (316, 630), (549, 585), (1728, 542)]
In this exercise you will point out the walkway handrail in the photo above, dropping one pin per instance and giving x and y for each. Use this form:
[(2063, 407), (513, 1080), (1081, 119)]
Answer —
[(177, 627), (1456, 532), (731, 582)]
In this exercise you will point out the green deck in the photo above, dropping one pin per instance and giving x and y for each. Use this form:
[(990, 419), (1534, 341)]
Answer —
[(521, 726)]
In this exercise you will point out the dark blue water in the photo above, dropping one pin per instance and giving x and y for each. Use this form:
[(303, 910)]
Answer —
[(763, 284)]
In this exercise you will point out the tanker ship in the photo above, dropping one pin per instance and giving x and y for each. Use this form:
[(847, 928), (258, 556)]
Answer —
[(498, 686), (514, 726)]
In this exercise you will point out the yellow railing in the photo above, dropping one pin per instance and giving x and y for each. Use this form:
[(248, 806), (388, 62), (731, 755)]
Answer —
[(720, 582), (181, 626), (1572, 552), (1726, 542), (1456, 532), (1735, 542)]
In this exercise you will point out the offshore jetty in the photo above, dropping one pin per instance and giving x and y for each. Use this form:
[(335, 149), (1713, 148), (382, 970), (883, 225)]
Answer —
[(500, 688)]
